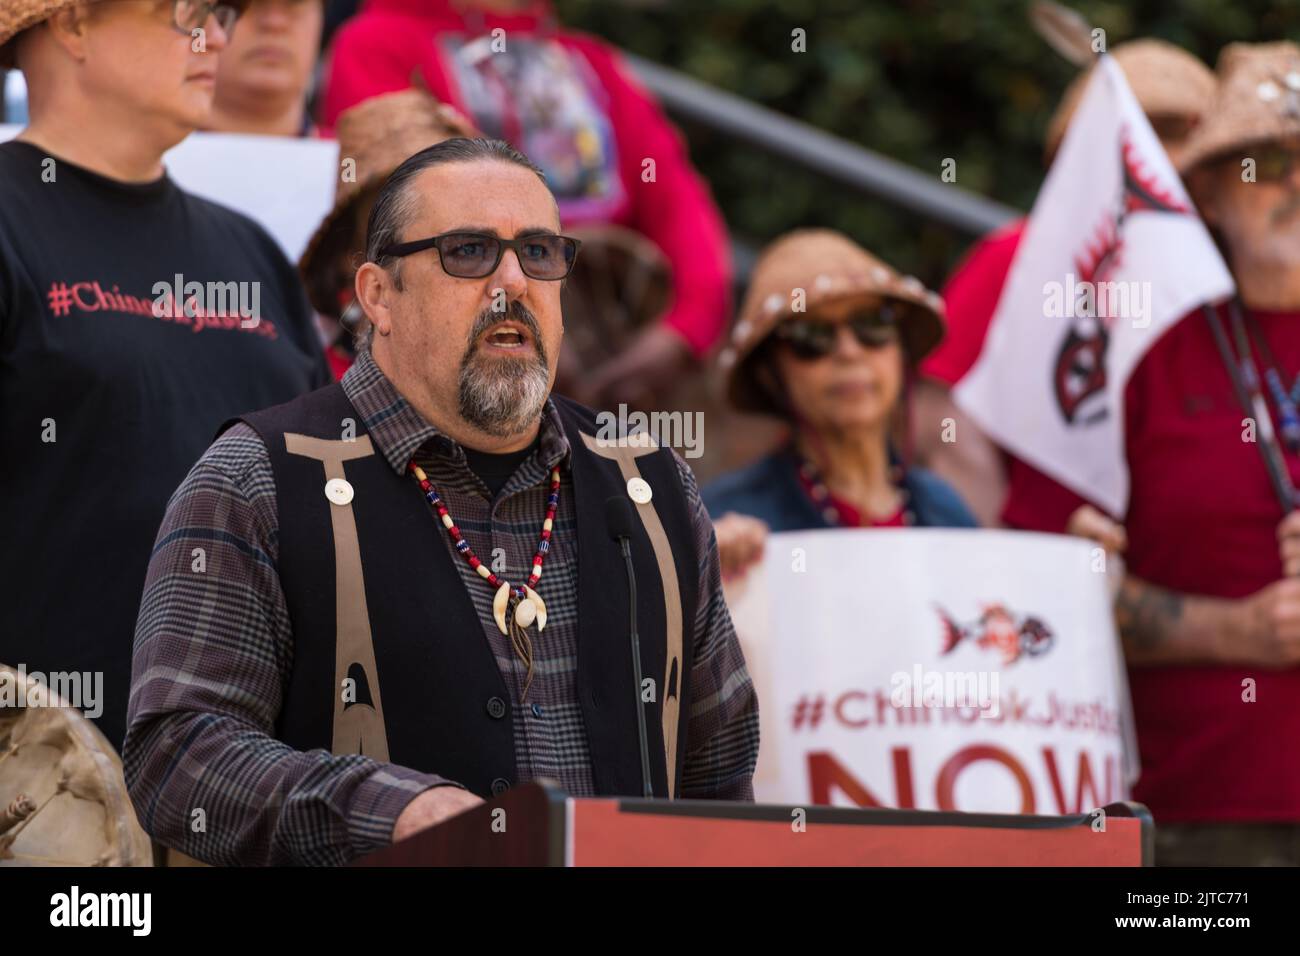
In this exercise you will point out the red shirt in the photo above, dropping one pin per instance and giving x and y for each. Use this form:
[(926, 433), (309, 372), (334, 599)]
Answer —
[(340, 360), (851, 517), (1202, 520), (970, 298), (593, 130)]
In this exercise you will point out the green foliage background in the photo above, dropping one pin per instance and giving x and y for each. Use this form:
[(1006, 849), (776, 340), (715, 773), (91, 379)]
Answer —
[(917, 80)]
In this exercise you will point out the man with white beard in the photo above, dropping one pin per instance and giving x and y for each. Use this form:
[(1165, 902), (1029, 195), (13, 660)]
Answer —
[(1209, 607), (371, 646)]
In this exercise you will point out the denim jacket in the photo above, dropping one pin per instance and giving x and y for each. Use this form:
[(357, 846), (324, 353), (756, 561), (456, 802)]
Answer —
[(769, 489)]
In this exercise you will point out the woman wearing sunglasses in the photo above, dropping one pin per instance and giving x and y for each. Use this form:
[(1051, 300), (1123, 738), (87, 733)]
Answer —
[(826, 339)]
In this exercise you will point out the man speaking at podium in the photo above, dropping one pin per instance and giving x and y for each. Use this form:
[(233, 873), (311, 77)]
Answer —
[(371, 608)]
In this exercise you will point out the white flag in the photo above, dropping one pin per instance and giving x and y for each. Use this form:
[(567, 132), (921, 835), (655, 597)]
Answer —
[(1113, 254)]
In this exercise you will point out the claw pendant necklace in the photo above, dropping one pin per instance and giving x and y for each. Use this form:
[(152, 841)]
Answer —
[(515, 608)]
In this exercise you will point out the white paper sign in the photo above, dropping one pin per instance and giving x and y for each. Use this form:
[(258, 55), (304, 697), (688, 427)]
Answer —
[(935, 669), (286, 185)]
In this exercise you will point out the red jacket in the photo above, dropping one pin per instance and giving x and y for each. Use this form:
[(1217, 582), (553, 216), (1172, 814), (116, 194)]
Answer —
[(594, 164)]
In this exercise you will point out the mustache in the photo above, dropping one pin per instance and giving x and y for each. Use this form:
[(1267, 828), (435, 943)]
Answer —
[(516, 312)]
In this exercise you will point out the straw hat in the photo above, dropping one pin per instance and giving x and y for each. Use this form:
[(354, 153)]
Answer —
[(1165, 79), (17, 15), (828, 267), (1258, 100), (378, 135)]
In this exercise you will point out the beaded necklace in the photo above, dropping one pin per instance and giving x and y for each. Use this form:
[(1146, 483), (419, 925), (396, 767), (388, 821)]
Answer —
[(1286, 401), (525, 604), (821, 494)]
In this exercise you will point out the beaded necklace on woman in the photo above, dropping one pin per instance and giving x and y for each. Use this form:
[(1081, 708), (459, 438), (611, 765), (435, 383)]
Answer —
[(834, 512)]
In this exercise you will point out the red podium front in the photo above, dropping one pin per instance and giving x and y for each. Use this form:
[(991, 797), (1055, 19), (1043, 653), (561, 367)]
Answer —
[(540, 825)]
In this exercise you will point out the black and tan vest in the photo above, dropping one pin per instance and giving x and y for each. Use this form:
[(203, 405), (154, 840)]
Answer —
[(374, 597)]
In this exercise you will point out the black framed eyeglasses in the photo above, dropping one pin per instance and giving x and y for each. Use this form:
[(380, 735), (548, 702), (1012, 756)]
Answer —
[(810, 339), (190, 15), (473, 255)]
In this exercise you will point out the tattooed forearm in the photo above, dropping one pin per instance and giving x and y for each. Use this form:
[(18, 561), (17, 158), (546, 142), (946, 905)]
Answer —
[(1160, 626), (1147, 616)]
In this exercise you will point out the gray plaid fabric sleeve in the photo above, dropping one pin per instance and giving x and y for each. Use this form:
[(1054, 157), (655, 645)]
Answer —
[(213, 652), (722, 736)]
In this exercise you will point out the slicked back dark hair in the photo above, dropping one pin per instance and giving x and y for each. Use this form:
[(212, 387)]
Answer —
[(396, 204)]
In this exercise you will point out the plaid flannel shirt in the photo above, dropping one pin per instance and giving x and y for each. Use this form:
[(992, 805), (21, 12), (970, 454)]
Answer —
[(214, 651)]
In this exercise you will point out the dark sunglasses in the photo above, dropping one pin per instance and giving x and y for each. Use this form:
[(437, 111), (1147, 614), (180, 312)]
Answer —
[(811, 339), (473, 255)]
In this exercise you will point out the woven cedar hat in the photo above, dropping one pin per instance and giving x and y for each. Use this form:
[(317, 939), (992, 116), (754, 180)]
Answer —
[(1166, 81), (18, 15), (828, 267), (378, 135), (1258, 100)]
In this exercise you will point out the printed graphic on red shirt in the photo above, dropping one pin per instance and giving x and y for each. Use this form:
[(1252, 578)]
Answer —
[(542, 97)]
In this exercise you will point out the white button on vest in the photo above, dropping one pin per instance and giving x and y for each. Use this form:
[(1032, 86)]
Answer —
[(338, 491), (638, 489)]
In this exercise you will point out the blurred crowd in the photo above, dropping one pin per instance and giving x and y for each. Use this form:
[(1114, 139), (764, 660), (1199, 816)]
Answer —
[(840, 367)]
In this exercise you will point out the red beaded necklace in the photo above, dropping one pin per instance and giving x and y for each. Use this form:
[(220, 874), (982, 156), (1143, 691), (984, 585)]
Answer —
[(837, 514), (525, 603)]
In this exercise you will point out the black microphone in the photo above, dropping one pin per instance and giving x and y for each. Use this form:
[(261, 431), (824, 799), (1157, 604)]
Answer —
[(618, 518)]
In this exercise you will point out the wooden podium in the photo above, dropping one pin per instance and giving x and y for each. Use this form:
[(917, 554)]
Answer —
[(540, 825)]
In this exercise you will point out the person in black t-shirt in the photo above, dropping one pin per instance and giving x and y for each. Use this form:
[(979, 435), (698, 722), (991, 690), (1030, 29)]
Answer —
[(134, 319)]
